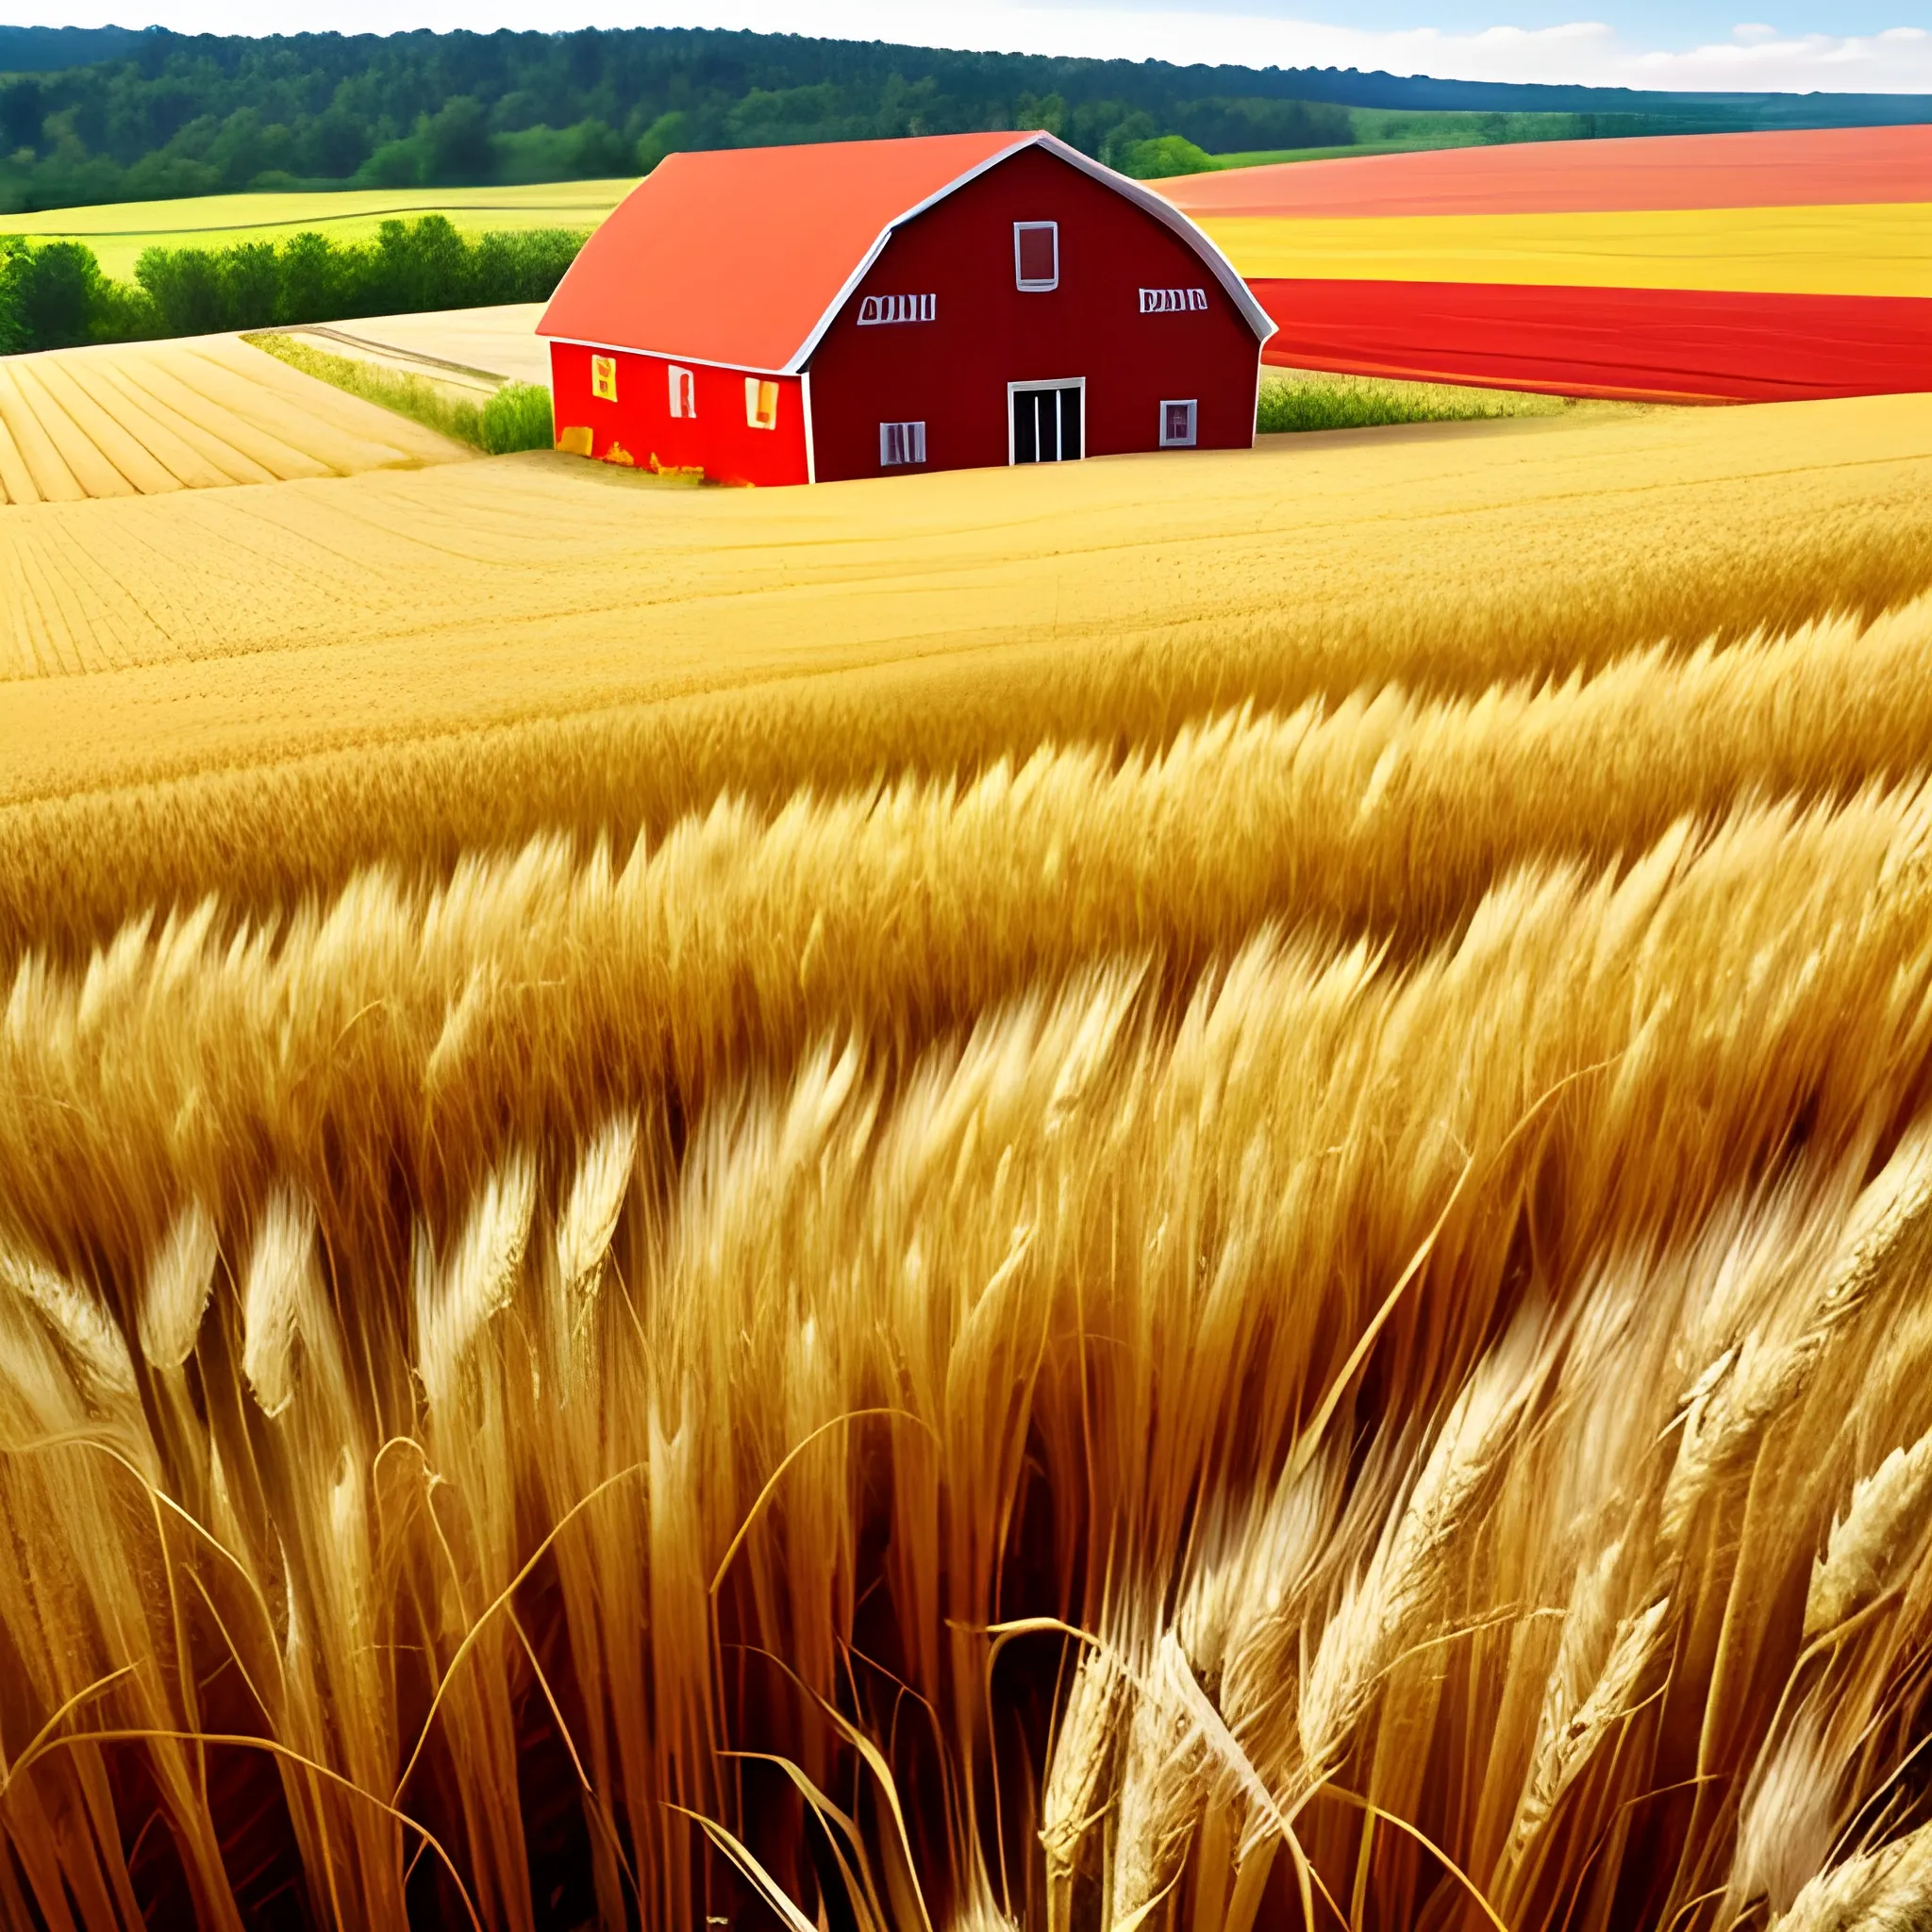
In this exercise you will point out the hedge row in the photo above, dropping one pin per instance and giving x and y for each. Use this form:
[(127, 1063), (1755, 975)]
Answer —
[(53, 295)]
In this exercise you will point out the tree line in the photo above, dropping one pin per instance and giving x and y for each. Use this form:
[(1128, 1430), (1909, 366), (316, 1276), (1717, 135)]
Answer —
[(53, 294), (171, 115)]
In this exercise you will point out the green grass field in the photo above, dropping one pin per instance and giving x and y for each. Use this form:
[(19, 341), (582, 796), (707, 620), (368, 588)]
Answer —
[(1304, 399), (118, 231), (1394, 131)]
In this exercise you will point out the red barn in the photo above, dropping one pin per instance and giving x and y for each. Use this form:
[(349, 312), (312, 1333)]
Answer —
[(791, 315)]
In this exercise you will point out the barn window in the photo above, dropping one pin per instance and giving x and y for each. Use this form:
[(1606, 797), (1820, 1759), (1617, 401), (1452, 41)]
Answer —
[(1171, 301), (1178, 426), (901, 442), (603, 377), (875, 310), (684, 392), (1037, 255), (761, 403)]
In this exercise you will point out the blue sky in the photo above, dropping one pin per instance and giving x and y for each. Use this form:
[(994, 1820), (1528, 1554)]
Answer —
[(1653, 21), (1838, 45)]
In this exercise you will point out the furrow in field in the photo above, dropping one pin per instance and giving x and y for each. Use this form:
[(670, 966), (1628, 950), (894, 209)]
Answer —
[(158, 380), (302, 424), (228, 462), (113, 437), (53, 481), (94, 379), (96, 473), (15, 478)]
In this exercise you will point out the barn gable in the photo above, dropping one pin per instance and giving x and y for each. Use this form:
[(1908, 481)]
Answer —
[(744, 257)]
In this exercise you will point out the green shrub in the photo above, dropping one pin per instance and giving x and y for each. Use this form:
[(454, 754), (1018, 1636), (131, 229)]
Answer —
[(518, 417), (410, 266), (1167, 153), (54, 297), (1309, 399)]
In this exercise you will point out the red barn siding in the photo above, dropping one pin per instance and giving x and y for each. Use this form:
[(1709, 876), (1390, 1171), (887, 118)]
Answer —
[(640, 426), (952, 373)]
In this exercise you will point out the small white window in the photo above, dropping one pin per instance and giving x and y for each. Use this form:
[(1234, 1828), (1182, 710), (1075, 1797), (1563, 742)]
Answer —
[(875, 310), (1037, 255), (901, 442), (684, 392), (1171, 301), (1178, 426), (761, 403), (603, 377)]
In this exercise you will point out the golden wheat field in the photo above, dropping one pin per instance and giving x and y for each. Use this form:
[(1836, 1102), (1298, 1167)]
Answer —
[(151, 419), (1190, 1194)]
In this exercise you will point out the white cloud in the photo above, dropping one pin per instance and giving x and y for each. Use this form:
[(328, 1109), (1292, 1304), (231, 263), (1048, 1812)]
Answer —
[(1245, 32)]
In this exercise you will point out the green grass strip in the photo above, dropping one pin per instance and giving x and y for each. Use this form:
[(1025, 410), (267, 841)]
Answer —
[(1312, 399), (516, 417)]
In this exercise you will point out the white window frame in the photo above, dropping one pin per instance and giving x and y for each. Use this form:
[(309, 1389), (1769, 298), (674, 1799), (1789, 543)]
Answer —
[(1190, 440), (682, 382), (876, 312), (755, 387), (1078, 382), (1020, 281), (1174, 301), (914, 440)]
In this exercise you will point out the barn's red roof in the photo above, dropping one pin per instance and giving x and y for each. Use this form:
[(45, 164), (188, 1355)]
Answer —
[(742, 255)]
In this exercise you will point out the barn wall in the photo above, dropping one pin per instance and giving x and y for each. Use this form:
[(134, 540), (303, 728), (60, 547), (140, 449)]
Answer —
[(638, 428), (952, 373)]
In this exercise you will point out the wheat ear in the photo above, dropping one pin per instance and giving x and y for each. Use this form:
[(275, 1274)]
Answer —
[(1889, 1890), (1385, 1607), (179, 1281), (84, 1328), (272, 1295), (1886, 1509), (478, 1279)]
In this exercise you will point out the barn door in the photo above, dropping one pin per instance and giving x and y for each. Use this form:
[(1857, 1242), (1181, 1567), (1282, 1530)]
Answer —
[(1046, 423)]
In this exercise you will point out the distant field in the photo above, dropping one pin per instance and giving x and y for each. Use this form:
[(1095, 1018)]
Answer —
[(1391, 132), (118, 231)]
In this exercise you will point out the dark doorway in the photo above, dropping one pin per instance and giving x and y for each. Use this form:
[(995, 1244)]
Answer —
[(1046, 423)]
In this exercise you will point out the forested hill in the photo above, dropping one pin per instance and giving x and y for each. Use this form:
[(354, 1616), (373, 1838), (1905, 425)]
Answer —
[(108, 114)]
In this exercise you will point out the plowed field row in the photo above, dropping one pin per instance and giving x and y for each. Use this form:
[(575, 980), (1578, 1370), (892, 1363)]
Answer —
[(151, 419)]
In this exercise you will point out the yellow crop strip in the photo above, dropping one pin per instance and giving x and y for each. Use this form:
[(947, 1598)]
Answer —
[(1871, 249), (118, 231)]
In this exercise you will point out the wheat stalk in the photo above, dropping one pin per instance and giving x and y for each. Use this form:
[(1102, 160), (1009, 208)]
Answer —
[(1080, 1771), (1599, 1666), (1739, 1393), (1394, 1598)]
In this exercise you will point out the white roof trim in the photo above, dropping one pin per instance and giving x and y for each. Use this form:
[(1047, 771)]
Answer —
[(852, 281), (1157, 205), (1165, 212)]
